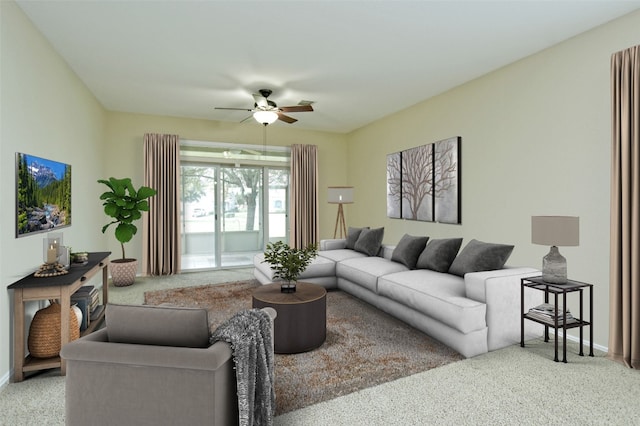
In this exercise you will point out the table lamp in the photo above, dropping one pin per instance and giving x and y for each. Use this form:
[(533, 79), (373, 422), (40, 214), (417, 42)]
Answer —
[(555, 231), (340, 195)]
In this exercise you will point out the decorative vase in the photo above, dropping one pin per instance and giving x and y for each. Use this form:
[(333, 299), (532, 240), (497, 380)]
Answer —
[(44, 332), (288, 287), (78, 312), (123, 271)]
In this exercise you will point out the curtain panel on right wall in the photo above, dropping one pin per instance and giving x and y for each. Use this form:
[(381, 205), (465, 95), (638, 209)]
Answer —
[(423, 183), (624, 283)]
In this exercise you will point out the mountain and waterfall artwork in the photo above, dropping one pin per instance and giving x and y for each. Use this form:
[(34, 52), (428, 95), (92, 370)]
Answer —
[(43, 194), (423, 183)]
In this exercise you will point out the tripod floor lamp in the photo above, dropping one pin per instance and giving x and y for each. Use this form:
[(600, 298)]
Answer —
[(340, 195)]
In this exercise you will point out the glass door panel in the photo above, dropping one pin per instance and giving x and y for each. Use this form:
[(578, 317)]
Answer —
[(278, 196), (228, 215), (241, 233), (198, 217)]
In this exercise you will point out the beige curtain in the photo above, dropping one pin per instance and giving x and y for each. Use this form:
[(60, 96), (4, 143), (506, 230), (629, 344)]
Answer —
[(304, 196), (624, 291), (161, 227)]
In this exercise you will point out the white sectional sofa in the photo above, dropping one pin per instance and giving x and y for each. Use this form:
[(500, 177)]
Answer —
[(474, 314)]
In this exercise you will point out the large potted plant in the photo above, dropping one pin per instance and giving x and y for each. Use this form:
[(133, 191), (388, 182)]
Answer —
[(124, 205), (288, 263)]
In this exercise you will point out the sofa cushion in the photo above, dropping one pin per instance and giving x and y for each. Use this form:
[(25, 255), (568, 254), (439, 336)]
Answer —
[(364, 271), (352, 236), (438, 295), (319, 267), (479, 256), (157, 325), (408, 250), (439, 254), (340, 255), (370, 241)]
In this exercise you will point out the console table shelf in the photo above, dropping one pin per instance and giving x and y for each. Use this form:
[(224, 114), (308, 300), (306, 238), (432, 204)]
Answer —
[(31, 288)]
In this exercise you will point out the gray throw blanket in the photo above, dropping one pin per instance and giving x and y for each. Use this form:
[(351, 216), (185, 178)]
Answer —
[(249, 333)]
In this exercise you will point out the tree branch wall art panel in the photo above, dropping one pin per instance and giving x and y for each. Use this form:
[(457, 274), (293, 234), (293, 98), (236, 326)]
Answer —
[(447, 180), (394, 192), (417, 183), (423, 183)]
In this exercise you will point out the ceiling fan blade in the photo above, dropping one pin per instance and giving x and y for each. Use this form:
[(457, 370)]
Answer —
[(260, 100), (246, 118), (235, 109), (297, 108), (286, 118)]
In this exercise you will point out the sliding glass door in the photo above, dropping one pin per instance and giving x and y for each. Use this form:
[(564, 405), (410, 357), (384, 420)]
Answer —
[(229, 214)]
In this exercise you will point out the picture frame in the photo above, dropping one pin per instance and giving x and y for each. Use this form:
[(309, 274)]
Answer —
[(43, 194)]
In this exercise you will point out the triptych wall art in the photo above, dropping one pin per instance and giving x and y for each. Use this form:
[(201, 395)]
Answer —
[(423, 183)]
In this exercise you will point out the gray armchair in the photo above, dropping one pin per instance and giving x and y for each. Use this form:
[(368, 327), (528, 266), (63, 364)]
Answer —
[(151, 365)]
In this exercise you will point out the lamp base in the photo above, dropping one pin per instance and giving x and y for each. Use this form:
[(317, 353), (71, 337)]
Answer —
[(554, 267)]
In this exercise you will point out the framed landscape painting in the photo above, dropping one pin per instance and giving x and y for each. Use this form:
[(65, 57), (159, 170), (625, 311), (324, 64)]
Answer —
[(43, 194)]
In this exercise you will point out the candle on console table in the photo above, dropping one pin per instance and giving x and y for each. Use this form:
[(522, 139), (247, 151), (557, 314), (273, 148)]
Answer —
[(52, 254)]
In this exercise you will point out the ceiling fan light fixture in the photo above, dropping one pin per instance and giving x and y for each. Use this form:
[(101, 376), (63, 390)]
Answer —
[(265, 117)]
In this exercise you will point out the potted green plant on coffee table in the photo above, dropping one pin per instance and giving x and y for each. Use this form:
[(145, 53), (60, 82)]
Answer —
[(124, 205), (288, 263)]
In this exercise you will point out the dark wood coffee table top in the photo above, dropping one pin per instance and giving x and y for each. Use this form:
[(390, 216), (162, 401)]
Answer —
[(305, 292)]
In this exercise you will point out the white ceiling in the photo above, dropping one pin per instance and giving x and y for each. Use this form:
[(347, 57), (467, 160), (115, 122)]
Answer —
[(357, 60)]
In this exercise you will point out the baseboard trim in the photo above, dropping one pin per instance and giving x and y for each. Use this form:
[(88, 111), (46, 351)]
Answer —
[(4, 381), (584, 341)]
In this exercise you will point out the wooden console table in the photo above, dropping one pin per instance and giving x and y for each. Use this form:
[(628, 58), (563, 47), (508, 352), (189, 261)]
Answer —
[(31, 288)]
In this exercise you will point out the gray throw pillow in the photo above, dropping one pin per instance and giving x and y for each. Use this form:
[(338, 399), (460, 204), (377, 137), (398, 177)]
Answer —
[(478, 256), (439, 254), (370, 241), (352, 236), (157, 325), (408, 250)]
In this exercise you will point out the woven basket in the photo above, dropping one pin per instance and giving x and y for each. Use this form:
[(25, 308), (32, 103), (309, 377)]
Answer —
[(44, 332)]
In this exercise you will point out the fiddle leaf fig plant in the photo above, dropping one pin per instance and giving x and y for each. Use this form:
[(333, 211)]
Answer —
[(124, 204), (287, 262)]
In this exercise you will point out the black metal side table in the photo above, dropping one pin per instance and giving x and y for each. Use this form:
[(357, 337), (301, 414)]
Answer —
[(558, 322)]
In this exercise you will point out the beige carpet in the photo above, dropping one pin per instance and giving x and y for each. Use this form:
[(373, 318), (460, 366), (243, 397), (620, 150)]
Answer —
[(364, 347)]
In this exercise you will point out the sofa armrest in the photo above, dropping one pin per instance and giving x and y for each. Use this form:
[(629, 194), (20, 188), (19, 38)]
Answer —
[(476, 283), (500, 291), (333, 244)]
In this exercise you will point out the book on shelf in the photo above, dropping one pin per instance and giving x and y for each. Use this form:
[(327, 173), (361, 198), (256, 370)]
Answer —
[(97, 312), (547, 312)]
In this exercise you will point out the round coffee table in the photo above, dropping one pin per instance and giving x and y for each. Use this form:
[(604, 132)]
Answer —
[(301, 324)]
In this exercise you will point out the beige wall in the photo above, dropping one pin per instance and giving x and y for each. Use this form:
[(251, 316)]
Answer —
[(48, 112), (535, 141), (124, 138)]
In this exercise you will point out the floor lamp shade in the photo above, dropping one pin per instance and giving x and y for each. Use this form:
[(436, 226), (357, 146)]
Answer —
[(555, 231), (340, 195)]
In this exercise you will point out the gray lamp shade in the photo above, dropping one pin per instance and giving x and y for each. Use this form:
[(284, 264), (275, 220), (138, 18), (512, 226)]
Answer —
[(340, 195), (555, 230)]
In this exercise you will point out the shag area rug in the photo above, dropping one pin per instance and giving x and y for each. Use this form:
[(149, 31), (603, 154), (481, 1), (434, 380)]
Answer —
[(364, 347)]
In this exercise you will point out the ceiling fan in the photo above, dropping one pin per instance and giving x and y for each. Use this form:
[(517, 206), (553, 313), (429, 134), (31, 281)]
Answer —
[(265, 111)]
